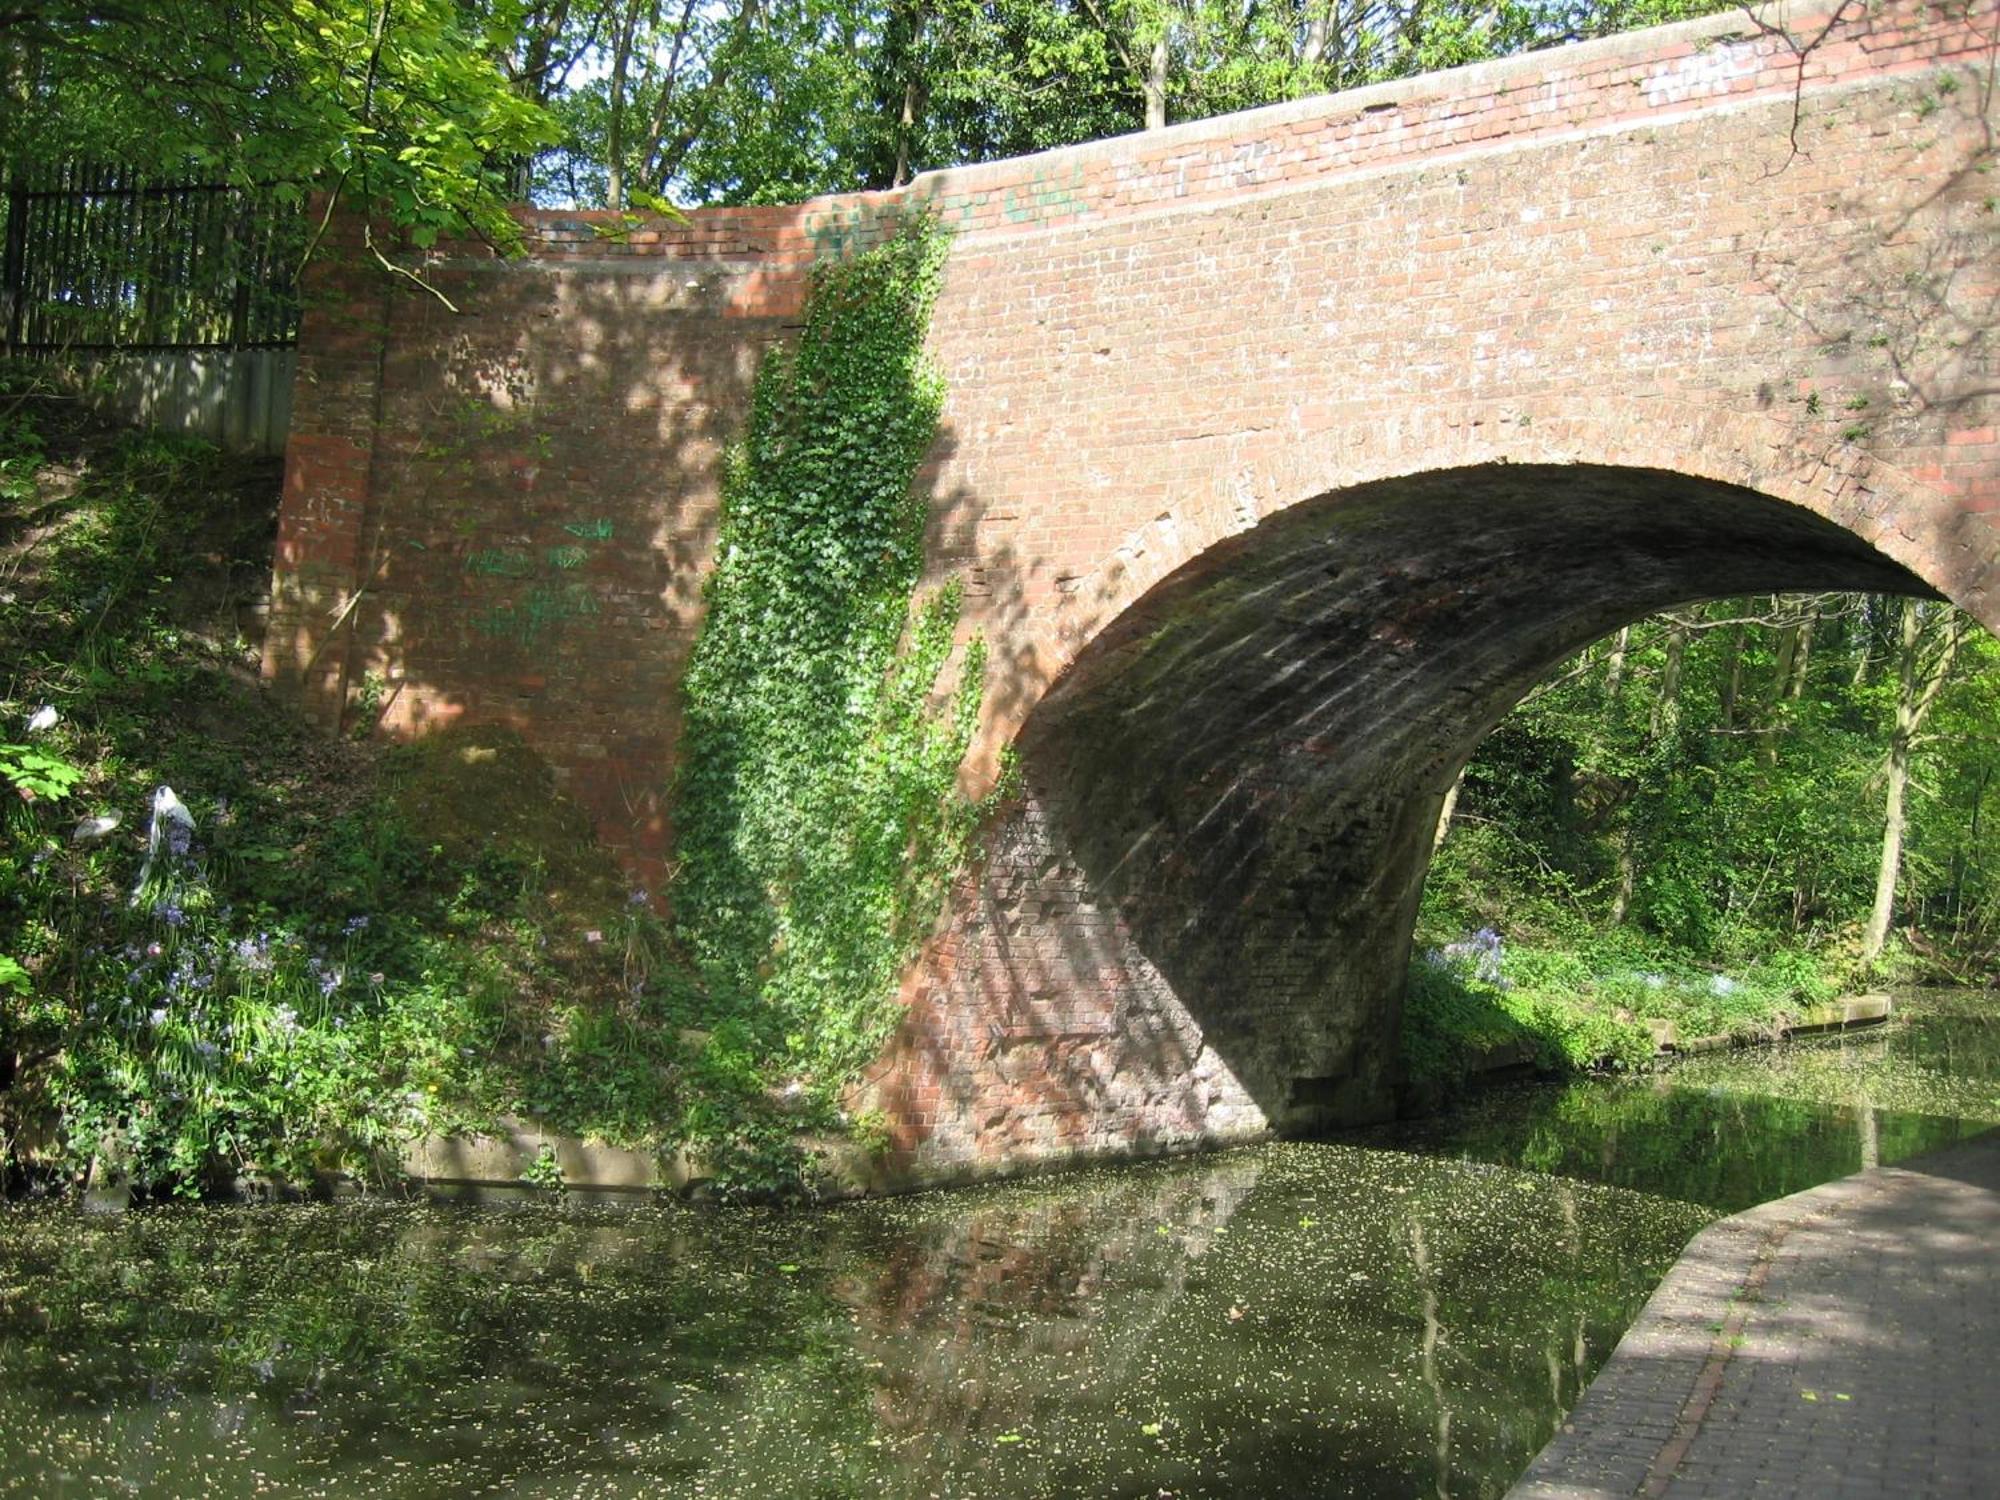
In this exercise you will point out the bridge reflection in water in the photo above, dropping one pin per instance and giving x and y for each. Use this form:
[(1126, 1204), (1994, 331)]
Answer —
[(1297, 1319), (1334, 1318)]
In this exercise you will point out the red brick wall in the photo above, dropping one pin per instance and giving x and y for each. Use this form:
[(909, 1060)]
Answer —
[(1693, 251)]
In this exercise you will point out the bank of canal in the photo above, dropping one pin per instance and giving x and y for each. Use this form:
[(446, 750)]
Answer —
[(1404, 1312)]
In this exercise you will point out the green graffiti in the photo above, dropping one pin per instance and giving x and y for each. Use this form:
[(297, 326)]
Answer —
[(566, 558), (598, 530), (956, 210), (837, 232), (1044, 196), (500, 562), (528, 619)]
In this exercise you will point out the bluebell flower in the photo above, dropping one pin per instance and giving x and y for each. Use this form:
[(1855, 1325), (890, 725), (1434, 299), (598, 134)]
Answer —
[(1482, 951), (355, 924)]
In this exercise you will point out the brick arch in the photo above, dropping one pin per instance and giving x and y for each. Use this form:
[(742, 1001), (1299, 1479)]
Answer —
[(1193, 925), (1685, 256), (1912, 523)]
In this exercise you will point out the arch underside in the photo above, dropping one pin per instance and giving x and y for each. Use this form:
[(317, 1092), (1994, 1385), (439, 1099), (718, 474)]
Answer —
[(1228, 800)]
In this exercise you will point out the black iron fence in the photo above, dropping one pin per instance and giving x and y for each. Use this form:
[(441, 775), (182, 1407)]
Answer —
[(97, 260)]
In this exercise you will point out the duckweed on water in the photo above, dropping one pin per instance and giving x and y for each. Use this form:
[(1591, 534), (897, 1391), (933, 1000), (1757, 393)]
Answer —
[(1735, 1129), (1303, 1319), (1941, 1058)]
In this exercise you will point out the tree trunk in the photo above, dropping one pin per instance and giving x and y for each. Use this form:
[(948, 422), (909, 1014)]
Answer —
[(1917, 687), (1795, 685), (906, 124), (1322, 40), (1156, 84), (1732, 680), (1897, 774), (1614, 666), (1628, 875), (1667, 705), (1449, 807), (614, 144)]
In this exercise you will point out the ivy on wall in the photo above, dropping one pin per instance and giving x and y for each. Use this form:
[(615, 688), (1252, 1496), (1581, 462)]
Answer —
[(818, 815)]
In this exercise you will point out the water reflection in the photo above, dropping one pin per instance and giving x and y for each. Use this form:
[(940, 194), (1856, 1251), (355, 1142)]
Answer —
[(1307, 1319), (1311, 1319), (1732, 1130)]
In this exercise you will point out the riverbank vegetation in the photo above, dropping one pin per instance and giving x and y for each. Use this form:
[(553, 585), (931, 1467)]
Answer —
[(228, 944), (1717, 817)]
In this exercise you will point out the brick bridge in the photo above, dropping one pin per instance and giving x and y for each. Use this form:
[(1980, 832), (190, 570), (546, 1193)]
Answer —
[(1283, 452)]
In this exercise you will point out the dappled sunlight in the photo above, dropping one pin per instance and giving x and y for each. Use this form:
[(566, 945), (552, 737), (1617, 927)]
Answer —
[(1267, 504)]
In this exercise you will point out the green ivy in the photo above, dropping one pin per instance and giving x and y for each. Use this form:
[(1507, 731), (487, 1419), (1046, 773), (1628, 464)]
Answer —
[(818, 815)]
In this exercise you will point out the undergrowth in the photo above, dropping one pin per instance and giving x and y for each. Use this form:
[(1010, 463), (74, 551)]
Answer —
[(1573, 1000), (231, 944)]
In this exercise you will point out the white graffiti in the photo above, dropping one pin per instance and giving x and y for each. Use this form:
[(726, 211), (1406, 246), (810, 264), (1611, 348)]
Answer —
[(1701, 74)]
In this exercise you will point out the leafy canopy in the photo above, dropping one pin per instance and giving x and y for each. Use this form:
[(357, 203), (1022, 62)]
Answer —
[(399, 103)]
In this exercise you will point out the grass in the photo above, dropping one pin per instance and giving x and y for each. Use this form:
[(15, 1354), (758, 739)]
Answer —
[(1582, 1003)]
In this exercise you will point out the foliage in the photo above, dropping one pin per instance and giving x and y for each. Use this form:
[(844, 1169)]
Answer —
[(775, 100), (1686, 823), (817, 808), (442, 110), (350, 946), (399, 103)]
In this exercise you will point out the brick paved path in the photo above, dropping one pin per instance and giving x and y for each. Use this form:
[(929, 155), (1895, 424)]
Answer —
[(1840, 1343)]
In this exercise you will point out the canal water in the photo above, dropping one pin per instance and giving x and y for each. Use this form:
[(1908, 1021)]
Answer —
[(1403, 1312)]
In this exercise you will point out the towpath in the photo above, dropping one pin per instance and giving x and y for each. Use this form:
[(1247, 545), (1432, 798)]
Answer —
[(1842, 1343)]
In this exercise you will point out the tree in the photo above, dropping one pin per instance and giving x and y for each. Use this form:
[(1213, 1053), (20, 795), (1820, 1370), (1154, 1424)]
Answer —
[(1929, 640), (1740, 777), (775, 100), (401, 104)]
